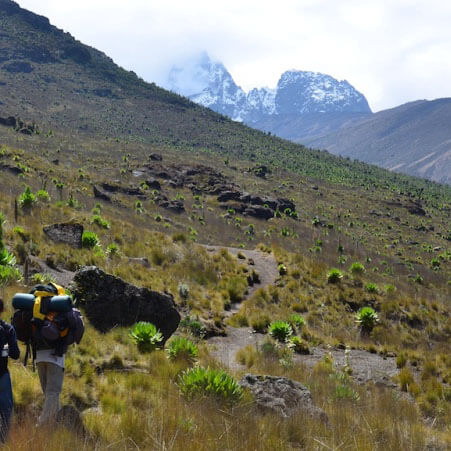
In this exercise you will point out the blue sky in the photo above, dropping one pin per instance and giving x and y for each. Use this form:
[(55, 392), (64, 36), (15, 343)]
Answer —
[(393, 51)]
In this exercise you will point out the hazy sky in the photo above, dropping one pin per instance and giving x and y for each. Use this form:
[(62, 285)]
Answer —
[(393, 51)]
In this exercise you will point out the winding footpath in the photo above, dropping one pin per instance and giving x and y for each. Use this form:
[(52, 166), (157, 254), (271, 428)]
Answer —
[(366, 366)]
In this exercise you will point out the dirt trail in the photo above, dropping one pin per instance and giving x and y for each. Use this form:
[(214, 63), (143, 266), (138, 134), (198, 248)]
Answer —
[(366, 366), (264, 264)]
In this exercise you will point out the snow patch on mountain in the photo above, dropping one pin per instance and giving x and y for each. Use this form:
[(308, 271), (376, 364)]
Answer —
[(208, 83)]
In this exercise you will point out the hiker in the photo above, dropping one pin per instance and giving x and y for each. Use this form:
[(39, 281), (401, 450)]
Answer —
[(9, 348), (46, 322)]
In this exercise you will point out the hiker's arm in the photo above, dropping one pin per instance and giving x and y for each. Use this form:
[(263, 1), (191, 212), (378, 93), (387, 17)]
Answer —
[(14, 351)]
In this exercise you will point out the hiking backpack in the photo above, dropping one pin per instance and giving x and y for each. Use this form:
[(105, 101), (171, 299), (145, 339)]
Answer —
[(41, 324)]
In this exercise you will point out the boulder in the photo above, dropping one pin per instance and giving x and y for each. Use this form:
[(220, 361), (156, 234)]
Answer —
[(260, 171), (173, 205), (155, 157), (68, 233), (99, 194), (283, 204), (282, 395), (228, 195), (131, 191), (108, 301), (259, 212), (153, 183), (11, 168), (416, 209)]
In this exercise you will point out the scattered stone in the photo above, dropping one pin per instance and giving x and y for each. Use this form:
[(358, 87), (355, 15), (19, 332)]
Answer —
[(416, 209), (155, 157), (109, 301), (67, 233), (130, 191), (99, 194), (259, 212), (260, 171), (228, 195), (282, 395), (173, 205), (11, 168), (19, 125), (153, 183)]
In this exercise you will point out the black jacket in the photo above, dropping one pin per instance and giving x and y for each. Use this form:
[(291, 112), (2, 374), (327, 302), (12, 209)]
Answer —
[(7, 337)]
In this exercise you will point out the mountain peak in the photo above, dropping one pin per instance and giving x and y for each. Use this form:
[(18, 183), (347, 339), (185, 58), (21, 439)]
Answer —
[(303, 92), (208, 83)]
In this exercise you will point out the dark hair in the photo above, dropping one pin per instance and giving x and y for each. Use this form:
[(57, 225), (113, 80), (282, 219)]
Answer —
[(2, 306)]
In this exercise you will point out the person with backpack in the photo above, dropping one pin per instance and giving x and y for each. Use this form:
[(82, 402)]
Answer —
[(8, 348), (47, 322)]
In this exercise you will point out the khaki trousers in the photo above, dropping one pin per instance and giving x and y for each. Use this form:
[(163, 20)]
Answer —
[(51, 377)]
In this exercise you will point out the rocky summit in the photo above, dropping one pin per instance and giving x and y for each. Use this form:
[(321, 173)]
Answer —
[(297, 93)]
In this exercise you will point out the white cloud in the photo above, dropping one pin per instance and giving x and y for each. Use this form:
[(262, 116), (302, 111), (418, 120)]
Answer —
[(393, 51)]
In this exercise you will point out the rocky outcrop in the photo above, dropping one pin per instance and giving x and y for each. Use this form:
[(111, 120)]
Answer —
[(282, 395), (19, 125), (109, 301), (67, 233), (130, 191), (100, 194)]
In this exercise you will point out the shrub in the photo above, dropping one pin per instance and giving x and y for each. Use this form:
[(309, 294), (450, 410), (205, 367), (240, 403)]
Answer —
[(367, 318), (194, 326), (146, 336), (405, 378), (280, 330), (435, 264), (27, 198), (297, 321), (299, 345), (199, 382), (112, 249), (334, 275), (357, 268), (389, 288), (282, 269), (9, 274), (371, 287), (98, 220), (260, 323), (21, 232), (45, 278), (183, 349), (43, 196), (89, 239), (401, 360)]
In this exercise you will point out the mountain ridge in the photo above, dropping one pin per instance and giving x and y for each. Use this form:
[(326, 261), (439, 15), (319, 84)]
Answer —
[(297, 92)]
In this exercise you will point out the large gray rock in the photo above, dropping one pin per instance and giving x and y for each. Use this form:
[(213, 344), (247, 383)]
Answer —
[(108, 301), (282, 395), (67, 233)]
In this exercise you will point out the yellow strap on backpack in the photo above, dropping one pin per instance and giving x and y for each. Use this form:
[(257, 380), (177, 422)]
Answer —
[(60, 289), (37, 305)]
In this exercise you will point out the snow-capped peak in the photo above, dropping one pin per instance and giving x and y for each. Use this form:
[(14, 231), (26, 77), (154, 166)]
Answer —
[(208, 83)]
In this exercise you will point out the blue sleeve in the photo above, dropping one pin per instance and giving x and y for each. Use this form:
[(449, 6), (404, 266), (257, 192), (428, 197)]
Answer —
[(14, 351)]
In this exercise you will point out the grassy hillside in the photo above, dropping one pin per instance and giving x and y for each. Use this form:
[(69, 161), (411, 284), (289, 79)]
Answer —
[(387, 234)]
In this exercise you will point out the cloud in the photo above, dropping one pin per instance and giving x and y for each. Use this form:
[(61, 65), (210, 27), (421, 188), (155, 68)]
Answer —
[(393, 51)]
